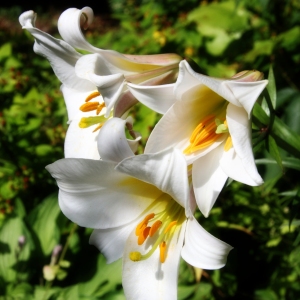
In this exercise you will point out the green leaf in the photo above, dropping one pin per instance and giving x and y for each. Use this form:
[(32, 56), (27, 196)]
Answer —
[(12, 229), (65, 263), (287, 162), (5, 51), (43, 221), (105, 280), (282, 134), (273, 150), (271, 87)]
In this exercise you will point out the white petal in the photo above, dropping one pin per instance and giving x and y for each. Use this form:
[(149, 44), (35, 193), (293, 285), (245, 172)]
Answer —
[(190, 79), (149, 279), (69, 27), (240, 130), (232, 165), (74, 99), (166, 170), (203, 250), (176, 126), (112, 143), (246, 92), (61, 55), (111, 242), (110, 85), (159, 98), (81, 142), (92, 194), (208, 179)]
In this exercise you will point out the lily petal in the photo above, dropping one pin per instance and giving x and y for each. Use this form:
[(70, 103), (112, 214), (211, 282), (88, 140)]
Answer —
[(209, 183), (110, 85), (92, 194), (69, 27), (112, 142), (111, 242), (158, 98), (203, 250), (189, 78), (166, 170), (61, 55), (246, 92), (180, 121), (74, 99), (240, 130), (149, 279), (81, 142)]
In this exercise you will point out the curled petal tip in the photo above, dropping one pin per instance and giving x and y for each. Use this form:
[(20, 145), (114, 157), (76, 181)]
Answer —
[(27, 18)]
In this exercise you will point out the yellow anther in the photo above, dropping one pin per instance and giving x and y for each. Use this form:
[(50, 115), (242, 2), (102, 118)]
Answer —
[(135, 256), (170, 226), (92, 96), (162, 252), (100, 107), (228, 144), (143, 235), (201, 126), (155, 227), (89, 106)]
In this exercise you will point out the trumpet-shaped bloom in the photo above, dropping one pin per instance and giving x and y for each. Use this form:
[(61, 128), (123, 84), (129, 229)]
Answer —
[(141, 209), (210, 124), (94, 84)]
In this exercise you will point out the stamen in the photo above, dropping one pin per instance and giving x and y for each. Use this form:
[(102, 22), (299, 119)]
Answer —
[(228, 144), (144, 234), (162, 252), (170, 226), (100, 107), (89, 121), (98, 127), (155, 227), (92, 96), (142, 225), (89, 106)]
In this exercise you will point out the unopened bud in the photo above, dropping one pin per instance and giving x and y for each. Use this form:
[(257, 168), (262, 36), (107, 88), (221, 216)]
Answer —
[(21, 241), (57, 249), (248, 76)]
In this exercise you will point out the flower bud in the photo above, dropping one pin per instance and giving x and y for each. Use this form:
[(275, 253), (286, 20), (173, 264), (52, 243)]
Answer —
[(248, 76)]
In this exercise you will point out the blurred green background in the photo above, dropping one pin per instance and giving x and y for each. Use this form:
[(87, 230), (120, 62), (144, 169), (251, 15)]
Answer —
[(223, 38)]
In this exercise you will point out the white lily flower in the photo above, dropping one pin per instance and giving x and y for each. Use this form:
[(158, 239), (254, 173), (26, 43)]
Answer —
[(210, 124), (84, 77), (106, 68), (141, 210)]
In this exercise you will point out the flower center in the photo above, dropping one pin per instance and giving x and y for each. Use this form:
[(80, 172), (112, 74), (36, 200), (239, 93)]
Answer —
[(90, 106), (206, 133), (159, 229)]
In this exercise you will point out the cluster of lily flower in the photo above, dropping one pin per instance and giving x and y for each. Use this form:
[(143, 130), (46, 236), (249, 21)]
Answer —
[(141, 207)]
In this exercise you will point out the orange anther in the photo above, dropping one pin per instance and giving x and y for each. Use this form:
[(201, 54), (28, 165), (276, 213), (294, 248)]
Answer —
[(162, 251), (142, 225), (98, 127), (92, 96), (89, 106), (144, 234), (155, 227), (100, 107)]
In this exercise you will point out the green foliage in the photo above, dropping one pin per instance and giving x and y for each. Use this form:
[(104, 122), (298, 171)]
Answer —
[(262, 223)]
